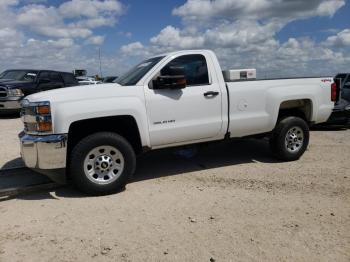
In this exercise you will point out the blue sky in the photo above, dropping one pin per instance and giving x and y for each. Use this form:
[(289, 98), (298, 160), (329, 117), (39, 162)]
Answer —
[(318, 28), (278, 37)]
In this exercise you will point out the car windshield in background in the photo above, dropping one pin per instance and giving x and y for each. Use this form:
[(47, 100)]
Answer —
[(135, 74), (110, 79), (19, 75)]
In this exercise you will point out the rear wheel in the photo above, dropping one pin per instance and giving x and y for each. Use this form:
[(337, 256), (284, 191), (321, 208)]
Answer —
[(102, 163), (290, 138)]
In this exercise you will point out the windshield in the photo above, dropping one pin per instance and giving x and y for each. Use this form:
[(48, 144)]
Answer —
[(20, 75), (135, 74)]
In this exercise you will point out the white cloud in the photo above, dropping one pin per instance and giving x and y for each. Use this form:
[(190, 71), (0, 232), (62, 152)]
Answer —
[(134, 49), (38, 15), (92, 8), (342, 39), (257, 9), (63, 32), (96, 22), (62, 43), (57, 33), (95, 40), (243, 34), (7, 3), (72, 19), (240, 33), (34, 1), (9, 38), (171, 37)]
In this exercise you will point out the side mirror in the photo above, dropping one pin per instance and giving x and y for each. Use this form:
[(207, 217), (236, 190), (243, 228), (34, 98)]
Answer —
[(44, 81), (171, 78)]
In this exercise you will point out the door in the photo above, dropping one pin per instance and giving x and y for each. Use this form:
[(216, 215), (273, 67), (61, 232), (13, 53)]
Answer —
[(49, 80), (189, 114), (346, 90), (56, 80)]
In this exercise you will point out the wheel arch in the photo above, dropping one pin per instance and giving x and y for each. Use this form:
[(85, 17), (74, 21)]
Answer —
[(302, 108), (124, 125)]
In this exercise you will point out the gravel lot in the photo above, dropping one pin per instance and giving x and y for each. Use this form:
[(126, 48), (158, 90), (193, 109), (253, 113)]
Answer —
[(231, 202)]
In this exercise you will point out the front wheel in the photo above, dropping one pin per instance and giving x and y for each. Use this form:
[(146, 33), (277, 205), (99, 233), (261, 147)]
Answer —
[(102, 163), (290, 138)]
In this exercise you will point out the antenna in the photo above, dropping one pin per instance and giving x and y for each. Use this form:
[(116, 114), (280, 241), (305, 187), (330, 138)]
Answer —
[(99, 58)]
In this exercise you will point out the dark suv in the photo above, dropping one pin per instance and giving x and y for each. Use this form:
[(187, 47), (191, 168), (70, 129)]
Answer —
[(341, 111), (16, 84)]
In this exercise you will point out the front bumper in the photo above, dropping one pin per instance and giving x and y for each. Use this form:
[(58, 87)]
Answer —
[(10, 103), (44, 152)]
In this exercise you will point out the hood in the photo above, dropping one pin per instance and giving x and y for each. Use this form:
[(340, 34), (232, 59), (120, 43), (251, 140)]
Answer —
[(3, 80), (85, 92), (10, 84)]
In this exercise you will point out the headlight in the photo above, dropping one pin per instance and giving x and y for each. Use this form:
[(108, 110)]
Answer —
[(36, 117), (15, 92)]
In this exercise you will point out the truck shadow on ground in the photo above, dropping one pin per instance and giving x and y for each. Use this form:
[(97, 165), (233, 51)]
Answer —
[(330, 128), (170, 162), (17, 162), (178, 161)]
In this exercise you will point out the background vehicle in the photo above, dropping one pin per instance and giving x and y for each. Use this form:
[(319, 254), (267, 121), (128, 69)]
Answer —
[(345, 85), (341, 111), (109, 79), (88, 81), (169, 100), (79, 73), (16, 84)]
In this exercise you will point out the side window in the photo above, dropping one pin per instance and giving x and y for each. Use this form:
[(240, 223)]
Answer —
[(44, 75), (347, 83), (195, 69), (69, 79), (55, 77)]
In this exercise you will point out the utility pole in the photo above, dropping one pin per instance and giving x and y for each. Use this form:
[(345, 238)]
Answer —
[(99, 58)]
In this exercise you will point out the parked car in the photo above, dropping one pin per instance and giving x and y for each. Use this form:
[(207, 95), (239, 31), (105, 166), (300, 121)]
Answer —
[(341, 111), (109, 79), (93, 134), (16, 84), (88, 81), (345, 85)]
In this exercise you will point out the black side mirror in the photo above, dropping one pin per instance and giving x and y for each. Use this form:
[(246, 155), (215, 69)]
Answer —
[(44, 81), (171, 78)]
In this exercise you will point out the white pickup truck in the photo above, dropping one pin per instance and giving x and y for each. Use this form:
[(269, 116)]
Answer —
[(93, 133)]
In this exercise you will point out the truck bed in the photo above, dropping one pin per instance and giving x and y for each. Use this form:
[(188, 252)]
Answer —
[(253, 107)]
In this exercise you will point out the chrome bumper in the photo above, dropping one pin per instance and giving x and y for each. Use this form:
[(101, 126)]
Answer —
[(44, 152), (10, 105)]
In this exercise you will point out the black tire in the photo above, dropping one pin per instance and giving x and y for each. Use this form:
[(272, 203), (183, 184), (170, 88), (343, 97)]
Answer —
[(278, 144), (80, 153)]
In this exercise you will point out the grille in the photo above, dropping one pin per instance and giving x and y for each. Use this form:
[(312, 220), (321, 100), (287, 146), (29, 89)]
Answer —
[(3, 92)]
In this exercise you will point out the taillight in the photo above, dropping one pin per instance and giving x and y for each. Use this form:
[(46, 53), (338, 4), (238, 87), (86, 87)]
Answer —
[(334, 92)]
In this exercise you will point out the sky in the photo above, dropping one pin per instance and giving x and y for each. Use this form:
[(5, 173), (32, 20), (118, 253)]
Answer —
[(280, 38)]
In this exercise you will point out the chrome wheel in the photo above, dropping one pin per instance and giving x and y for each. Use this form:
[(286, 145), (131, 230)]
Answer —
[(104, 164), (294, 139)]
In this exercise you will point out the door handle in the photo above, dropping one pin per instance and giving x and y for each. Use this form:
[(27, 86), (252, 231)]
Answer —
[(211, 94)]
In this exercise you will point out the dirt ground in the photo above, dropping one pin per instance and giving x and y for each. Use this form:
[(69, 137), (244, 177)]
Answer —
[(230, 202)]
